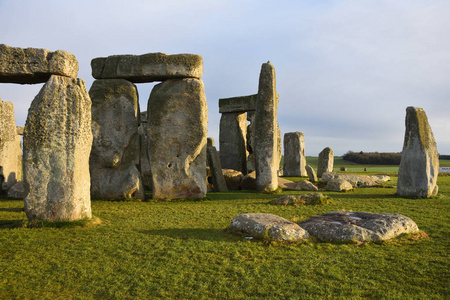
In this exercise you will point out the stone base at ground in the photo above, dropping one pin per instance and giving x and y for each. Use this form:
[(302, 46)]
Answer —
[(233, 179), (359, 226), (267, 226)]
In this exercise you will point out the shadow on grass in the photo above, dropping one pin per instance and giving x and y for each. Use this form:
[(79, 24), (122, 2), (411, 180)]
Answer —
[(12, 209), (213, 235)]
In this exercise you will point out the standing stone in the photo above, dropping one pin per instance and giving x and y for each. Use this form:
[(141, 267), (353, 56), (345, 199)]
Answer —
[(115, 151), (419, 167), (144, 160), (294, 154), (33, 65), (311, 173), (266, 140), (232, 141), (251, 141), (325, 161), (56, 146), (10, 150), (216, 169), (178, 116)]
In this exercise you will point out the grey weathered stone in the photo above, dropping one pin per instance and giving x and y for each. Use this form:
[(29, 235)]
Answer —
[(10, 150), (354, 179), (285, 184), (338, 185), (311, 174), (294, 154), (115, 151), (147, 67), (419, 167), (266, 131), (210, 142), (218, 179), (178, 116), (305, 185), (232, 140), (325, 161), (380, 178), (359, 226), (144, 160), (233, 179), (33, 65), (267, 226), (249, 182), (251, 141), (17, 191), (240, 104), (56, 146), (299, 200)]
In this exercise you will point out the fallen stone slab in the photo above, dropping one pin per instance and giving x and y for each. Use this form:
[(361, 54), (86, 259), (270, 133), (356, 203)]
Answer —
[(300, 200), (359, 226), (305, 185), (148, 67), (34, 65), (267, 226), (285, 184), (233, 179), (338, 185), (355, 180)]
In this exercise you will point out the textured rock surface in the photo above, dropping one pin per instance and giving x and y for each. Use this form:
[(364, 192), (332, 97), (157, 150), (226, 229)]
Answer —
[(338, 185), (305, 185), (360, 226), (380, 178), (325, 161), (266, 131), (218, 179), (17, 191), (298, 200), (249, 182), (10, 150), (56, 146), (353, 179), (233, 179), (115, 151), (232, 140), (419, 167), (144, 160), (33, 65), (311, 174), (238, 104), (251, 141), (177, 120), (294, 154), (285, 184), (267, 226), (147, 67)]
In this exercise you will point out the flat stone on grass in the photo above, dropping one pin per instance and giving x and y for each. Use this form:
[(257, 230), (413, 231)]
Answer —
[(299, 200)]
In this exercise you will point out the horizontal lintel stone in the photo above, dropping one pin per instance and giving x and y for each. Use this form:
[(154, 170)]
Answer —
[(238, 104), (147, 67)]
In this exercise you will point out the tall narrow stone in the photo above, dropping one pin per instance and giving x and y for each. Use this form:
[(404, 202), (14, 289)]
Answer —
[(266, 131), (251, 141), (294, 154), (115, 151), (10, 150), (56, 146), (178, 116), (325, 161), (232, 141), (216, 169), (144, 160), (419, 167)]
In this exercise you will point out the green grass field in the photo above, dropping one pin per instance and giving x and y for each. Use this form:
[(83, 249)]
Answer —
[(180, 249)]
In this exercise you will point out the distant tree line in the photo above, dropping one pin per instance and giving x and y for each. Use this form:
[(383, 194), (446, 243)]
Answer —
[(373, 158), (444, 157)]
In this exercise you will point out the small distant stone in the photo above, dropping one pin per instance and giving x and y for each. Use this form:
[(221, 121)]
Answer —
[(359, 226), (338, 185), (299, 200), (267, 226)]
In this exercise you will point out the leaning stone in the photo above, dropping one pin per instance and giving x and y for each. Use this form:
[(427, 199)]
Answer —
[(115, 151), (338, 185), (148, 67), (56, 146), (232, 140), (294, 154), (10, 150), (233, 179), (17, 191), (178, 115), (419, 166), (267, 226), (218, 179), (359, 226), (33, 65), (266, 131), (325, 161), (249, 182), (311, 174), (299, 200)]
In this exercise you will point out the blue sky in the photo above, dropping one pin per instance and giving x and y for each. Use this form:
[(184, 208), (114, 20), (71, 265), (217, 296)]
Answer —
[(346, 70)]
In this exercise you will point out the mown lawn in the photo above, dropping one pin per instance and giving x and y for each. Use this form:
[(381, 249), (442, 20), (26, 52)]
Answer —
[(180, 249)]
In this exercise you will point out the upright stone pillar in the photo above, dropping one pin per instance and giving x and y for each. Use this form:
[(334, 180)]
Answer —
[(115, 151), (178, 116), (251, 141), (325, 161), (232, 141), (10, 150), (266, 131), (419, 167), (294, 154), (56, 144), (146, 172)]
